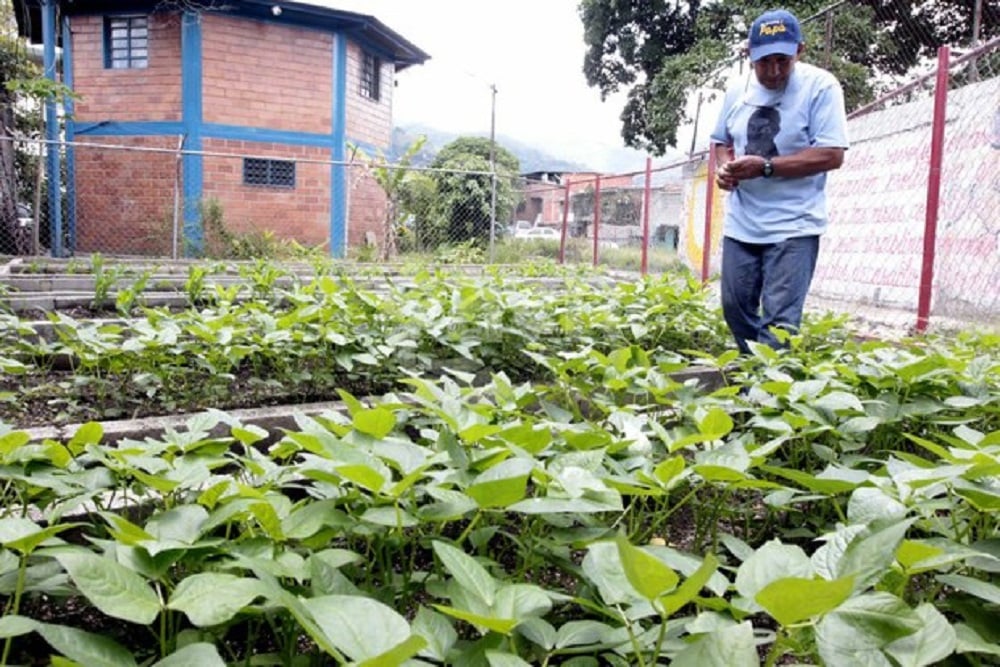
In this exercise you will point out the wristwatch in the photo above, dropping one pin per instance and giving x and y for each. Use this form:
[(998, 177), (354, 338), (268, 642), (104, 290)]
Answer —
[(768, 169)]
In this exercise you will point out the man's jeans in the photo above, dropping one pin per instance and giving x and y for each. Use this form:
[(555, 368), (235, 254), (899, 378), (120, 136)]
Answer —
[(765, 285)]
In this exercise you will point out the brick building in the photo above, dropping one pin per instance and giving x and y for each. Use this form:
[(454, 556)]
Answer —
[(252, 106)]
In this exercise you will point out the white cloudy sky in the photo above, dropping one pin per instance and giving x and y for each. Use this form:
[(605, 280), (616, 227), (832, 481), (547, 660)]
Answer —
[(532, 50)]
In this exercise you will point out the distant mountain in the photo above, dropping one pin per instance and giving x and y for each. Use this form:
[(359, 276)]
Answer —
[(530, 158), (588, 156)]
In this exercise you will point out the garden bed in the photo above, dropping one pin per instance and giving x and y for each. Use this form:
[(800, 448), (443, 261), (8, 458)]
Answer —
[(511, 475)]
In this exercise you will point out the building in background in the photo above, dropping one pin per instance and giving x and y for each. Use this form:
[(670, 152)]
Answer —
[(199, 114)]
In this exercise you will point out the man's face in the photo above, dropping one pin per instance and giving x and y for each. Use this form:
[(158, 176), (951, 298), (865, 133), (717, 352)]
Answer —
[(773, 71)]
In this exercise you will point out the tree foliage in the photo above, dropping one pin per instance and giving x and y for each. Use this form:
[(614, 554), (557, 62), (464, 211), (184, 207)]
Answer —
[(660, 51), (466, 199), (16, 119)]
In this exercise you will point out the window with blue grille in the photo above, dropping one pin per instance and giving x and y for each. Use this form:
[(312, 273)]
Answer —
[(126, 42), (271, 173), (371, 80)]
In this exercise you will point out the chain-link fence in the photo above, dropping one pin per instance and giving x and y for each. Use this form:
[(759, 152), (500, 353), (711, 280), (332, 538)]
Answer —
[(914, 233), (914, 228)]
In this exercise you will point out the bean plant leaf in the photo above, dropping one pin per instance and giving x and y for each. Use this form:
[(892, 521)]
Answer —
[(538, 631), (12, 625), (361, 627), (716, 423), (114, 589), (9, 442), (398, 655), (771, 562), (88, 434), (84, 647), (497, 659), (201, 654), (868, 504), (692, 585), (733, 646), (581, 633), (501, 485), (376, 422), (929, 645), (521, 601), (647, 574), (437, 631), (795, 599), (467, 572), (983, 590), (211, 598), (181, 524), (24, 535), (862, 626), (869, 556), (503, 626), (970, 641)]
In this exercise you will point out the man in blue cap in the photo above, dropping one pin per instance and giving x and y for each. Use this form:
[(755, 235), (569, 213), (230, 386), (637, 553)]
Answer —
[(778, 134)]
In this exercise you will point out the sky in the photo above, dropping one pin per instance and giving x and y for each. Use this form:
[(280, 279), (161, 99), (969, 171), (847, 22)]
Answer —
[(531, 50)]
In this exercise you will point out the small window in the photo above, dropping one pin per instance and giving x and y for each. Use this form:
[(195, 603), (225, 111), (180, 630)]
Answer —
[(370, 76), (273, 173), (126, 42)]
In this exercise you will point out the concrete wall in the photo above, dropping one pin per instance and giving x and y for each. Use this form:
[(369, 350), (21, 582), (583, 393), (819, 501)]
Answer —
[(873, 250)]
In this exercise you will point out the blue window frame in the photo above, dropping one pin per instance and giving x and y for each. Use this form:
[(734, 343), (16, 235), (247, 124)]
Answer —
[(126, 42)]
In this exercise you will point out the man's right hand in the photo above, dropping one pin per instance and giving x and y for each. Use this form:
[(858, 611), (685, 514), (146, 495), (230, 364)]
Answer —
[(725, 179)]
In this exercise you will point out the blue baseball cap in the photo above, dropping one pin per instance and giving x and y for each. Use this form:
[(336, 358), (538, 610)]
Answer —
[(776, 31)]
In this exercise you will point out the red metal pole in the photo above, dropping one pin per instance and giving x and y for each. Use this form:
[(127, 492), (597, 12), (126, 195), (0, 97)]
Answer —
[(597, 213), (933, 190), (706, 249), (565, 225), (644, 264)]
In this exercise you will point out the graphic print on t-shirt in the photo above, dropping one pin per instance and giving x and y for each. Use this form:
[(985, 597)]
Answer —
[(762, 127)]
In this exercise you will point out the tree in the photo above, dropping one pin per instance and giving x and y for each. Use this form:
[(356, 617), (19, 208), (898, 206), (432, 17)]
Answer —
[(15, 67), (660, 51), (465, 198), (391, 179)]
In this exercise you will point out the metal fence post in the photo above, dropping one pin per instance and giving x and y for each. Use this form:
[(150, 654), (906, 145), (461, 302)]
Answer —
[(644, 262), (565, 225), (706, 250), (933, 191), (597, 214)]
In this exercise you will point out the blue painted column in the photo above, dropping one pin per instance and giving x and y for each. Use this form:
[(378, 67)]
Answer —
[(69, 105), (192, 122), (52, 129), (338, 151)]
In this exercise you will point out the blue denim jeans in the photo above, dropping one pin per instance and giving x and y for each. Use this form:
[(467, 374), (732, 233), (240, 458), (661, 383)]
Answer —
[(764, 285)]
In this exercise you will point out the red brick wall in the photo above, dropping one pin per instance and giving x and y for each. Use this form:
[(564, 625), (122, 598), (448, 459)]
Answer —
[(125, 198), (153, 93), (266, 75), (302, 213), (368, 121), (255, 74), (366, 202)]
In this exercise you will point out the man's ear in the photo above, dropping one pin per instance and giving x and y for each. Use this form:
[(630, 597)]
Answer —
[(802, 48)]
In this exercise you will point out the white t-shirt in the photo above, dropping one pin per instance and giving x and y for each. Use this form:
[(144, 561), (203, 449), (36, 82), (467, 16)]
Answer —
[(757, 121)]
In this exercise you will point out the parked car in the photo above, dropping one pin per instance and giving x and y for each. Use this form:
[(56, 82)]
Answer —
[(537, 233), (519, 226)]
